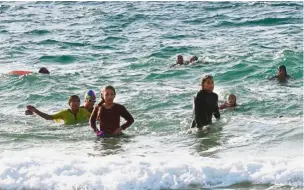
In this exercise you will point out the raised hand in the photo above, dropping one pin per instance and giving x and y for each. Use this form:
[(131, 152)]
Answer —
[(31, 108)]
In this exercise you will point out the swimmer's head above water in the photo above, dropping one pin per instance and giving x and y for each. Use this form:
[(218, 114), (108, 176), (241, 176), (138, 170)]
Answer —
[(43, 70), (207, 83)]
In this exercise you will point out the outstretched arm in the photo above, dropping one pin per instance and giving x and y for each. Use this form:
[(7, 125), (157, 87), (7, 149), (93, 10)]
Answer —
[(41, 114)]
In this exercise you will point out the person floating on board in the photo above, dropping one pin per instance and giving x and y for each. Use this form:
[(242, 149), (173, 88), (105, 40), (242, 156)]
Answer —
[(42, 70), (109, 113), (205, 104), (229, 103), (70, 116)]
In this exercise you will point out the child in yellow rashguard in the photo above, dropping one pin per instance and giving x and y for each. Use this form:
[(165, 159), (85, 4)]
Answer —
[(70, 116)]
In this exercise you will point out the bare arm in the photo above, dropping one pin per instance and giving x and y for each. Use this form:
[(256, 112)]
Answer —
[(41, 114)]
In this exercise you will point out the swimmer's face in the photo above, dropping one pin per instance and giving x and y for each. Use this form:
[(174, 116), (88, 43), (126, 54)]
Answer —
[(90, 102), (208, 85), (281, 72), (180, 60), (231, 99), (108, 95), (74, 103)]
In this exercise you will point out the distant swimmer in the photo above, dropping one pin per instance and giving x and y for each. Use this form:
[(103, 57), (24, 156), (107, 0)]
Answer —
[(193, 59), (205, 104), (42, 70), (70, 116), (89, 101), (282, 74), (109, 114), (180, 60), (229, 103)]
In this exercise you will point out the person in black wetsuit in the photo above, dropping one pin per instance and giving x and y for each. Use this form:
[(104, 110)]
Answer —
[(205, 104)]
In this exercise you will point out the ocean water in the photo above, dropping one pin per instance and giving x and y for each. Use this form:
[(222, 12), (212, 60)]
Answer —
[(131, 45)]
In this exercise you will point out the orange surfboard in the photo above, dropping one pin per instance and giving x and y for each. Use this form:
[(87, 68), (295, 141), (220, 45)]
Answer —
[(20, 72)]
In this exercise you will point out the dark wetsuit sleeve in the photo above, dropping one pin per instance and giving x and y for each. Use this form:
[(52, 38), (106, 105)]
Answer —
[(216, 111), (128, 117), (197, 110), (93, 118)]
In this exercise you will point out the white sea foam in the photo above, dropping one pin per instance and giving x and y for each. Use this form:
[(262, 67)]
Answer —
[(41, 169)]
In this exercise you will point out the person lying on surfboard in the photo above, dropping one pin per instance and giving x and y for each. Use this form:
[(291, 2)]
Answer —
[(42, 70)]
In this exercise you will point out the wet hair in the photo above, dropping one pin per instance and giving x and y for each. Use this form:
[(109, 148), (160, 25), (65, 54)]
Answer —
[(193, 58), (109, 88), (204, 78), (283, 68), (179, 57), (233, 97), (43, 70), (73, 97), (100, 109)]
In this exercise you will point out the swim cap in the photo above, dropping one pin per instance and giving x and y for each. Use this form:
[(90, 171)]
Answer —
[(90, 95)]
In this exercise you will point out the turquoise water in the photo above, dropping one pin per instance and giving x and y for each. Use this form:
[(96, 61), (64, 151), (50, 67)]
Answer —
[(130, 45)]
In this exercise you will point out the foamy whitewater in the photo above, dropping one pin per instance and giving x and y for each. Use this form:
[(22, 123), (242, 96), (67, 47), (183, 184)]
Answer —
[(131, 45)]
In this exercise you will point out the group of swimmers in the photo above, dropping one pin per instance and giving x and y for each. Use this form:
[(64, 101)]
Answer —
[(206, 101), (180, 60), (108, 113)]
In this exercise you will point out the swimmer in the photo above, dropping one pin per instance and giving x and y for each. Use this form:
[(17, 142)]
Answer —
[(89, 101), (179, 61), (205, 104), (70, 116), (109, 114), (282, 74), (42, 70), (229, 103), (193, 59)]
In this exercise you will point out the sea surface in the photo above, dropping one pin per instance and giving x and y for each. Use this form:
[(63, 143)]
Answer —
[(131, 45)]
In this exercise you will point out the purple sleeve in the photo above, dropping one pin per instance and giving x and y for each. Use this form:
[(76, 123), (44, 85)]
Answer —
[(127, 116)]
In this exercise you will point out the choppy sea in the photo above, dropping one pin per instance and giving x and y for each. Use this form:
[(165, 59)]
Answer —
[(131, 45)]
